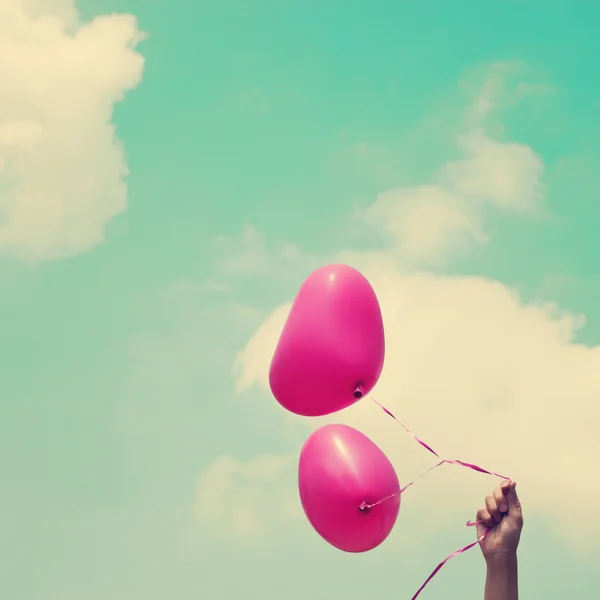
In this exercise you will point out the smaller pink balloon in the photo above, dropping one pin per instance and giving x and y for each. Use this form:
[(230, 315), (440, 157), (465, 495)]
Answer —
[(340, 471)]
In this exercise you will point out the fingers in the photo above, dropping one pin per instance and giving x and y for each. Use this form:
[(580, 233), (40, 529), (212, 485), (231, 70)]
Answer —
[(492, 508), (500, 500), (504, 501), (496, 505), (512, 500), (485, 518)]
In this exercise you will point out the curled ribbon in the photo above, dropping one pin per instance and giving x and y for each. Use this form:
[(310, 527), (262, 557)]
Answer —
[(441, 462)]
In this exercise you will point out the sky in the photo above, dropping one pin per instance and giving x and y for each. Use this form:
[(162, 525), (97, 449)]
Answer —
[(170, 173)]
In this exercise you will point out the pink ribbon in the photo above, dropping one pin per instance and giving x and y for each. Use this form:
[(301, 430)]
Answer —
[(441, 462)]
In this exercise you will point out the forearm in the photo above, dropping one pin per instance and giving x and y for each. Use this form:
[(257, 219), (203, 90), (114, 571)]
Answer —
[(502, 581)]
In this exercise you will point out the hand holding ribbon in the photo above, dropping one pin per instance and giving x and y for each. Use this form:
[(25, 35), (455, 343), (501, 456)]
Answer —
[(498, 525)]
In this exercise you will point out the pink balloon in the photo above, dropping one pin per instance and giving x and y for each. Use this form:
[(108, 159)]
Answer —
[(331, 350), (340, 469)]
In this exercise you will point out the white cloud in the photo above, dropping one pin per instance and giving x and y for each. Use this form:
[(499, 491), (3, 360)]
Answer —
[(491, 91), (240, 498), (504, 174), (431, 222), (427, 220), (62, 167), (250, 255), (63, 9), (505, 85), (250, 362), (251, 264)]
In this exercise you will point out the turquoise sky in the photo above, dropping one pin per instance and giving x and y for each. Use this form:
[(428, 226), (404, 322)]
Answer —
[(116, 364)]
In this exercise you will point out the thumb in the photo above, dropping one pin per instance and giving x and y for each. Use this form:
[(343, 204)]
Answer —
[(512, 500)]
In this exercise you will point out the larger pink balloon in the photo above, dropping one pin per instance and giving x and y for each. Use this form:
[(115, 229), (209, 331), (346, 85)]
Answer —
[(330, 353), (340, 469)]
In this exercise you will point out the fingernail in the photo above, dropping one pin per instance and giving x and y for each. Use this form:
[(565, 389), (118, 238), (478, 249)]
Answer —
[(504, 485), (502, 507)]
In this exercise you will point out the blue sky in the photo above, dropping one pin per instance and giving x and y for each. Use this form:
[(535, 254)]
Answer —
[(262, 140)]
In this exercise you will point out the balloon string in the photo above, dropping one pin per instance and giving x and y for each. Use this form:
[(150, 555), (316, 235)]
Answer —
[(365, 506), (430, 449), (450, 556), (439, 464)]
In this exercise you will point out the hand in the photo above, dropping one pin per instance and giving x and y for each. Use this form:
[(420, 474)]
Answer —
[(502, 518)]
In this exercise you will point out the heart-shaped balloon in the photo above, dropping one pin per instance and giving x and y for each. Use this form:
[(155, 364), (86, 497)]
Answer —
[(332, 347), (341, 474)]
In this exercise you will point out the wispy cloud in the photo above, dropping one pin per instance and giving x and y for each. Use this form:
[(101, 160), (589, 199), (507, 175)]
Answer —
[(243, 498)]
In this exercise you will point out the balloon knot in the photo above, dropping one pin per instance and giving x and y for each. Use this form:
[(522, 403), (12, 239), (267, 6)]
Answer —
[(359, 392), (364, 507)]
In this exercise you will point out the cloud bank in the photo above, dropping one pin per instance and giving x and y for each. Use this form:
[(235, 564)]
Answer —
[(62, 168)]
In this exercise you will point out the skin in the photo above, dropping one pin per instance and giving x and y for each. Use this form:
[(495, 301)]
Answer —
[(502, 518)]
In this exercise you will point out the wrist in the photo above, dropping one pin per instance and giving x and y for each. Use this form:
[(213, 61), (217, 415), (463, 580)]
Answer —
[(502, 561), (502, 578)]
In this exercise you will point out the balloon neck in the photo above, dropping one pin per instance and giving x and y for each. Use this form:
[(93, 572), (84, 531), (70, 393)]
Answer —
[(364, 507), (358, 392)]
